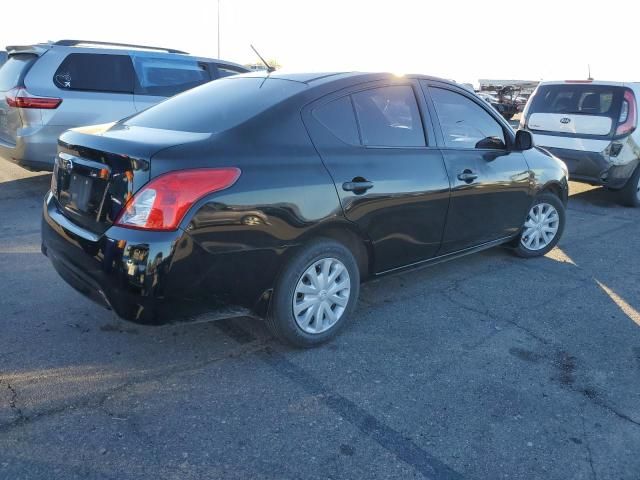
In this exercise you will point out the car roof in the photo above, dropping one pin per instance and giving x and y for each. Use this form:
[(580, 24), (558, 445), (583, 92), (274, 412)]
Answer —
[(87, 46), (317, 78), (588, 82)]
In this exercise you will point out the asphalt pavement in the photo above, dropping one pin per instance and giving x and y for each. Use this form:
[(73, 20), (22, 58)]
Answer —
[(487, 367)]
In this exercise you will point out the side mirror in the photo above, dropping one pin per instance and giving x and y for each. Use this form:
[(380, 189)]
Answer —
[(492, 143), (524, 140)]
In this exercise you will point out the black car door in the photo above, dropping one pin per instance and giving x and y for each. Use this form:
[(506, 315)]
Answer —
[(490, 182), (377, 144)]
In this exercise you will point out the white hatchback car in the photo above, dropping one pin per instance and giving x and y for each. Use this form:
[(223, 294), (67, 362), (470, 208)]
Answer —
[(592, 127)]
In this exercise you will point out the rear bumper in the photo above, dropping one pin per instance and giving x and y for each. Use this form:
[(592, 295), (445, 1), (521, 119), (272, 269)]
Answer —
[(594, 167), (35, 148), (145, 277)]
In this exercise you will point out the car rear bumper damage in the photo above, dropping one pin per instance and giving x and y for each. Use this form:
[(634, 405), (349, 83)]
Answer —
[(145, 277), (595, 168)]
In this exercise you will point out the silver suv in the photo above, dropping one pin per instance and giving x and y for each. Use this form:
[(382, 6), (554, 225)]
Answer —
[(48, 88)]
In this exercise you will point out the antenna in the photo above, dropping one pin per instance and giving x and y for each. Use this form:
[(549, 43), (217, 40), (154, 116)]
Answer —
[(269, 67), (589, 68)]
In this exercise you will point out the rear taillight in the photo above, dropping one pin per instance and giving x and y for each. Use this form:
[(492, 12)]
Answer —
[(628, 114), (20, 98), (164, 201)]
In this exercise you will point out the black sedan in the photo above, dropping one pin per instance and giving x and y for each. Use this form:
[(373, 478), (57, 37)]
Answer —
[(275, 195)]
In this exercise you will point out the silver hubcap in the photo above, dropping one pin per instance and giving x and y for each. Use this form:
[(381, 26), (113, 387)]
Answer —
[(638, 189), (541, 226), (321, 295)]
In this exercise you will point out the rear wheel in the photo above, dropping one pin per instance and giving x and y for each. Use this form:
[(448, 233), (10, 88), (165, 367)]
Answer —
[(315, 294), (542, 228), (630, 194)]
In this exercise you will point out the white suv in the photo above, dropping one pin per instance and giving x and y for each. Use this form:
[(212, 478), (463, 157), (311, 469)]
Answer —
[(592, 127)]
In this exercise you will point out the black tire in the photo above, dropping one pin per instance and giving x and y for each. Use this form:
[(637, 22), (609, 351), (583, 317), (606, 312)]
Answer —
[(281, 320), (549, 198), (630, 194)]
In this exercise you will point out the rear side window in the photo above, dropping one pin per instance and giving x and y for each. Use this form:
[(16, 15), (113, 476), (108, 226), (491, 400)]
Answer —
[(568, 99), (95, 72), (338, 117), (464, 123), (389, 117), (217, 106), (13, 71), (166, 77)]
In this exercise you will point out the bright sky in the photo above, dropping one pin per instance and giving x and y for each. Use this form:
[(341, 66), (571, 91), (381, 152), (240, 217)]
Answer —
[(457, 39)]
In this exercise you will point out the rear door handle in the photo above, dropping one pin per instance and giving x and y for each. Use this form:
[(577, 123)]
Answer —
[(467, 176), (357, 186)]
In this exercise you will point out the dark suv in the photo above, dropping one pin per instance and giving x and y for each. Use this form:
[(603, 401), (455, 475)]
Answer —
[(48, 88), (275, 195)]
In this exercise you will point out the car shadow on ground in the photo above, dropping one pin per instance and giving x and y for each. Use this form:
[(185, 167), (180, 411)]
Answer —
[(36, 185), (600, 197)]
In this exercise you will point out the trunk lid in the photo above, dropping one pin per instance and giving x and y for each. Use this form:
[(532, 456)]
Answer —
[(99, 168), (575, 109), (12, 75)]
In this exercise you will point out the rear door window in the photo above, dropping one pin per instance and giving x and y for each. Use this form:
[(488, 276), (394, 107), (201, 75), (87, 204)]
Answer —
[(95, 72), (165, 77), (464, 123), (13, 71), (389, 117), (339, 118)]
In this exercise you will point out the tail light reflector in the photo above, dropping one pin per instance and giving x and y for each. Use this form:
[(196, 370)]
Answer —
[(628, 120), (164, 201), (20, 98)]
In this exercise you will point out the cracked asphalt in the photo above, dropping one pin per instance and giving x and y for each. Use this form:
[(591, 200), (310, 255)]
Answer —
[(487, 367)]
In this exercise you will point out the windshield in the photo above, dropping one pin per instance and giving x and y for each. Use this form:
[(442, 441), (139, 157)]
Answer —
[(217, 106)]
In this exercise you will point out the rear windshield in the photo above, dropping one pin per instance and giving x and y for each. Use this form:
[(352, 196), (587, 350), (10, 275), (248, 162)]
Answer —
[(218, 105), (602, 100), (13, 71)]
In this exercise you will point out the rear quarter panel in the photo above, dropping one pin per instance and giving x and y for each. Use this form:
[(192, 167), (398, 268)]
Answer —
[(283, 195)]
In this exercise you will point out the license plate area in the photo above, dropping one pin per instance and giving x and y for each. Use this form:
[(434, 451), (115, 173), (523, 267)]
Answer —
[(80, 185)]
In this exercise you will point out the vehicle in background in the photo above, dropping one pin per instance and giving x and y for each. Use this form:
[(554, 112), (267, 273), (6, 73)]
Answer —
[(3, 57), (48, 88), (592, 127), (493, 101), (275, 194)]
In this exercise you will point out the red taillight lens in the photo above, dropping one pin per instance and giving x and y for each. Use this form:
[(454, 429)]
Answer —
[(164, 201), (628, 115), (20, 98)]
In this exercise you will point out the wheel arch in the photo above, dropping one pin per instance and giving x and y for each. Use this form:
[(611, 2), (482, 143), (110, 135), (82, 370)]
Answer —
[(556, 188), (350, 236), (341, 231)]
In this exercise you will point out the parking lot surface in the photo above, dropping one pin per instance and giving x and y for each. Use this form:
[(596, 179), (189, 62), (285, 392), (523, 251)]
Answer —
[(487, 367)]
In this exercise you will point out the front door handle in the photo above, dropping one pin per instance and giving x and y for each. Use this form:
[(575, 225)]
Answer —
[(357, 186), (467, 176)]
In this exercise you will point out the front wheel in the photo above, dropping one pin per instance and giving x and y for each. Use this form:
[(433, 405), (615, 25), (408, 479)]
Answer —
[(315, 294), (542, 228)]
